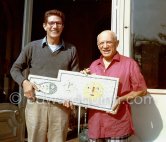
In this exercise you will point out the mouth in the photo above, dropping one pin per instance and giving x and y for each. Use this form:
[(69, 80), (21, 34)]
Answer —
[(106, 51), (91, 94), (55, 32)]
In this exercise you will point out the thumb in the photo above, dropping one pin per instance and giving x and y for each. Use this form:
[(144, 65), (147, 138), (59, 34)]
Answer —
[(35, 87), (115, 107)]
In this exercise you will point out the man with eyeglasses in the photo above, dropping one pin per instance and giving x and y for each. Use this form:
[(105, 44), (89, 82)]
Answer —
[(46, 121), (107, 126)]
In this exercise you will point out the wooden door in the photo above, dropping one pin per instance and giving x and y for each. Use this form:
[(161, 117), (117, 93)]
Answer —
[(12, 122)]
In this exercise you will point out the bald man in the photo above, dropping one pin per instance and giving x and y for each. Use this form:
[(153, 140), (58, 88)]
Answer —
[(110, 127)]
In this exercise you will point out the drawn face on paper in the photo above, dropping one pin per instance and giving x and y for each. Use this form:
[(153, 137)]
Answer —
[(47, 87), (93, 90)]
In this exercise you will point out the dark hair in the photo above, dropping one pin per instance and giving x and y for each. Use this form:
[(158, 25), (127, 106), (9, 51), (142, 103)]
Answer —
[(54, 12)]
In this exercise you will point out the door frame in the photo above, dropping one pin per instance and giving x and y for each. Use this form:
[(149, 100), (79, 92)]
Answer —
[(120, 23), (26, 37)]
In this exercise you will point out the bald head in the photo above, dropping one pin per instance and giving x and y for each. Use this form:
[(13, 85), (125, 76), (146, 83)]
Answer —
[(109, 33), (107, 44)]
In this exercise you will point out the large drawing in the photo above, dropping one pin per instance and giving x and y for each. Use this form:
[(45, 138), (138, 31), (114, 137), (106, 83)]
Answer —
[(90, 91)]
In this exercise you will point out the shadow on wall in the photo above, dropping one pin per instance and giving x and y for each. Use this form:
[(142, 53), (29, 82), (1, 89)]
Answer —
[(147, 120)]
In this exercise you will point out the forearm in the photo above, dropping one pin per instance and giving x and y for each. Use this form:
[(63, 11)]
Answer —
[(17, 75), (18, 67), (132, 95)]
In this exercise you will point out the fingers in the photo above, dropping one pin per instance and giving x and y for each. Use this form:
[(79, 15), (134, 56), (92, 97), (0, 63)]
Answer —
[(71, 105), (68, 104), (28, 88), (35, 87), (114, 110), (29, 94), (116, 106), (85, 71)]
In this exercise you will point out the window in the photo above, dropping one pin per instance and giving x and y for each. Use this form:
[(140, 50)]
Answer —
[(149, 40)]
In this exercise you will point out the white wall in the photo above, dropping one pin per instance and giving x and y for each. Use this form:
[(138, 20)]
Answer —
[(149, 117)]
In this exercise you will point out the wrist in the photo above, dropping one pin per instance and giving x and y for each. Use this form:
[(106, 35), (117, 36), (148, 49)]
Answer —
[(25, 82)]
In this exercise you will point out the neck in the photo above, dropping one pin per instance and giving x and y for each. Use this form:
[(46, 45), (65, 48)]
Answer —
[(53, 41), (106, 62)]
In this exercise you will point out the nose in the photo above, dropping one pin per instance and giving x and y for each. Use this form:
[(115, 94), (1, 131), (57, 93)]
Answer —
[(105, 44), (55, 25)]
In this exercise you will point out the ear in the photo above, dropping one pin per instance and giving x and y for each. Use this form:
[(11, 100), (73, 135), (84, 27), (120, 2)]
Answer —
[(44, 26), (117, 43)]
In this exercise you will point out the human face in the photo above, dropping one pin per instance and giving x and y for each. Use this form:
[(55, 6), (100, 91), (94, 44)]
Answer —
[(107, 45), (53, 27)]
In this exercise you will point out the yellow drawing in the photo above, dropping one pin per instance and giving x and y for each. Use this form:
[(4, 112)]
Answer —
[(93, 90)]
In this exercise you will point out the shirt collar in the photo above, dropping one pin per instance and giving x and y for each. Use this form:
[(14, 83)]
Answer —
[(116, 57), (44, 43)]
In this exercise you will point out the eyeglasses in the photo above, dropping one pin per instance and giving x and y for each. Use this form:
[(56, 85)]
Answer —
[(100, 44), (52, 23)]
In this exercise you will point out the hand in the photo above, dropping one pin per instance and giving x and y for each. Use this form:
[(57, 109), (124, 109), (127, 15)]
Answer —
[(116, 106), (85, 71), (29, 89), (68, 104)]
